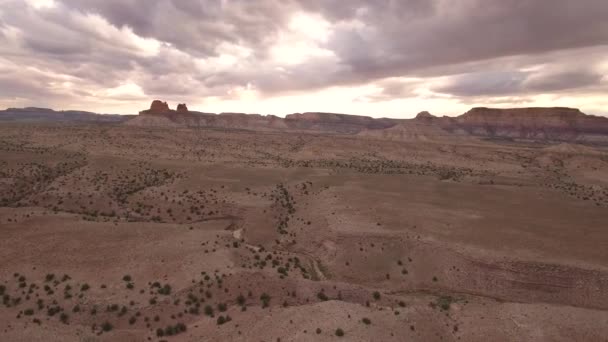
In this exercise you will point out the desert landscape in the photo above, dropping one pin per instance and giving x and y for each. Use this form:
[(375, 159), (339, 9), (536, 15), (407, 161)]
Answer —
[(175, 225)]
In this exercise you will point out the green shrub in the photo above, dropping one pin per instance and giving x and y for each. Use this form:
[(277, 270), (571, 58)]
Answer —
[(339, 332), (106, 326), (240, 300), (64, 318), (170, 330), (222, 320), (165, 290), (265, 298), (444, 302)]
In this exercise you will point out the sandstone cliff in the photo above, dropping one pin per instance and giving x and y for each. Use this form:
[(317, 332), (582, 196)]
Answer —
[(540, 124), (552, 124)]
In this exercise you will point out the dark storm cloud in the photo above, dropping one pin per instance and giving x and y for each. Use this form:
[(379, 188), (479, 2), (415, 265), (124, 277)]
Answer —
[(464, 31), (564, 81), (195, 26), (368, 10), (371, 40), (485, 83), (511, 83), (12, 86)]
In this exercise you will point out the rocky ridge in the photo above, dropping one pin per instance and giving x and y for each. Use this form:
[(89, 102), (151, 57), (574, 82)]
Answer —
[(538, 124), (552, 124), (530, 124), (35, 114)]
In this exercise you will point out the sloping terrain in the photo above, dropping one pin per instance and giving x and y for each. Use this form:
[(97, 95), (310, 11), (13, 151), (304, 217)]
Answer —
[(122, 233)]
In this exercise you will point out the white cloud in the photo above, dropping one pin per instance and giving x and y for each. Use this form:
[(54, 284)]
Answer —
[(302, 40), (41, 4)]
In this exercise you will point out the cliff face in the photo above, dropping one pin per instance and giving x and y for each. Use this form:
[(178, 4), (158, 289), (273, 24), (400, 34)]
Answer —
[(182, 108), (157, 107), (317, 122), (550, 124), (558, 124)]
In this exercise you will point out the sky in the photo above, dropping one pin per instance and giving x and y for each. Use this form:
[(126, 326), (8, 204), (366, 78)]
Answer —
[(383, 58)]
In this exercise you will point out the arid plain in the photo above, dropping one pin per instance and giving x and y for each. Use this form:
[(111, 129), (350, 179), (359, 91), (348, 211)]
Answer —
[(126, 233)]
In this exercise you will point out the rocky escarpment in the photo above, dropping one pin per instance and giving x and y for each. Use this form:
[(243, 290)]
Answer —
[(539, 124), (553, 124), (160, 114)]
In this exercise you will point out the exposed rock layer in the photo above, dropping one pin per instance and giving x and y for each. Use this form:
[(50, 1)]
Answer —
[(537, 124), (546, 124), (556, 124)]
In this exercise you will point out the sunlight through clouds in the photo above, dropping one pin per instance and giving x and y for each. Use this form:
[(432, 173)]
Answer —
[(363, 57)]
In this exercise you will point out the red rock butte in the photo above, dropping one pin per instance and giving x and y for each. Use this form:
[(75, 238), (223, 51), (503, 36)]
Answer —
[(551, 124), (160, 107), (182, 108)]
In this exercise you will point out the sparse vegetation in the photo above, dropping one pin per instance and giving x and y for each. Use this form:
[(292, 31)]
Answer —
[(444, 302), (234, 211), (106, 326), (265, 298), (223, 319)]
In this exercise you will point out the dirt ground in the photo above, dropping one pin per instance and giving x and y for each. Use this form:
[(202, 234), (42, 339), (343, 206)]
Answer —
[(112, 233)]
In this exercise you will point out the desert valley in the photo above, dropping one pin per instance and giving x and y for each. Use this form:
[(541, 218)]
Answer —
[(175, 225)]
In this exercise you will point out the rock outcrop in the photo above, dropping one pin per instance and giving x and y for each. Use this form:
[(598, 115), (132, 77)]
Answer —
[(552, 124), (425, 116), (541, 124), (413, 131), (157, 107), (182, 108), (317, 122), (339, 123)]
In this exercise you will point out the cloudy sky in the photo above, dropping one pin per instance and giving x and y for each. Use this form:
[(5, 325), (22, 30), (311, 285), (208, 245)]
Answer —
[(389, 58)]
